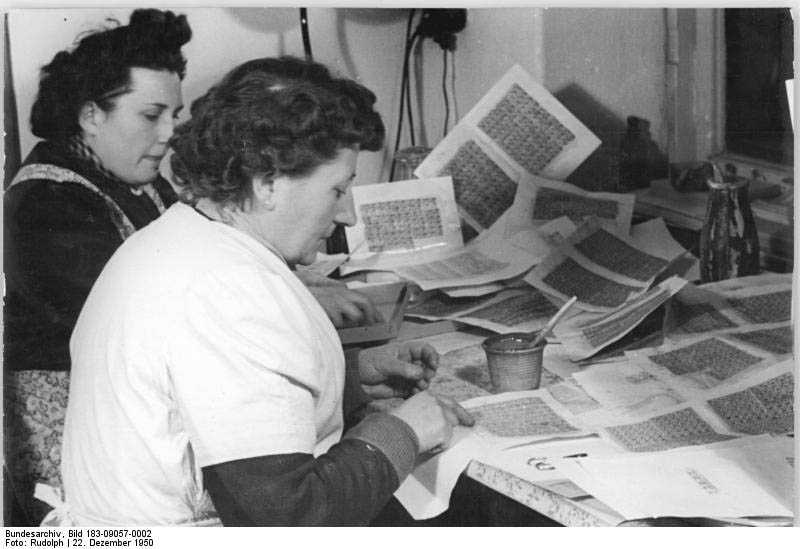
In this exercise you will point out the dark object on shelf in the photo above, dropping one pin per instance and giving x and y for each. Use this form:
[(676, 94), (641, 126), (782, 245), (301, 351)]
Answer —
[(692, 177), (634, 164), (728, 239)]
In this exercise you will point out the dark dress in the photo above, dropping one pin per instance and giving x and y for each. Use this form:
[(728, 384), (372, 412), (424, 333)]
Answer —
[(57, 238)]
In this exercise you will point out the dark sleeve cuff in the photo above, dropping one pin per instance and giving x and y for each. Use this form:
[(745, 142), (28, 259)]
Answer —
[(392, 436)]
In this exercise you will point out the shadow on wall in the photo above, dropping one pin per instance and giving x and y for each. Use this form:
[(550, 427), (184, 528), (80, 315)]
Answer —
[(601, 170), (368, 16)]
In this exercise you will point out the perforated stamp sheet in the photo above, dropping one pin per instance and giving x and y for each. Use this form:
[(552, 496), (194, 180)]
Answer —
[(760, 403), (735, 305), (527, 125), (482, 261), (584, 337), (697, 364), (775, 338), (520, 310), (484, 182), (401, 220), (540, 200), (523, 416), (566, 273), (669, 428), (640, 259), (518, 127)]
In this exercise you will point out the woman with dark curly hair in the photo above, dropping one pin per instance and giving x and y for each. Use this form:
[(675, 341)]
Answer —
[(221, 383), (106, 110)]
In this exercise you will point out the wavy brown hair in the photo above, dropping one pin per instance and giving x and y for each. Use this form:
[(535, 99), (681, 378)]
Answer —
[(268, 117)]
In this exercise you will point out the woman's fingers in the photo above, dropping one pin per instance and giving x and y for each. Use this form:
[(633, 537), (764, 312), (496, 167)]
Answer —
[(457, 412)]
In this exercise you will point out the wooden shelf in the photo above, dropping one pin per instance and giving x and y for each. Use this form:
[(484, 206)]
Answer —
[(774, 219)]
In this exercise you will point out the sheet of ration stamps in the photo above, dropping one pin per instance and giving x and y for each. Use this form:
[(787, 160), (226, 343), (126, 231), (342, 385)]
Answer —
[(517, 128), (586, 334), (541, 200), (602, 281), (703, 362), (403, 219)]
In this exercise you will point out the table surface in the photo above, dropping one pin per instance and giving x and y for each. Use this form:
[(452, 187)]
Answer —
[(471, 379), (474, 381)]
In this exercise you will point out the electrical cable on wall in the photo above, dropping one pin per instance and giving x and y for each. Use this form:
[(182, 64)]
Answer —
[(453, 85), (405, 91), (305, 33), (444, 93), (441, 25), (409, 53)]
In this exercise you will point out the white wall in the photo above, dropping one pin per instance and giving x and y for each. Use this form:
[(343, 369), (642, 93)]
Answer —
[(365, 45), (603, 63), (615, 55)]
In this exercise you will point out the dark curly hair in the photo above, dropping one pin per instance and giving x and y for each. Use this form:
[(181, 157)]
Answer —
[(98, 68), (267, 117)]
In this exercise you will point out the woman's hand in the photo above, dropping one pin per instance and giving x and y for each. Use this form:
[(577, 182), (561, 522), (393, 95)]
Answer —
[(345, 307), (397, 369), (432, 418)]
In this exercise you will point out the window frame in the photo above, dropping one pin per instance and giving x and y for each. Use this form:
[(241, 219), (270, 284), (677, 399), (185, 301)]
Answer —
[(695, 81)]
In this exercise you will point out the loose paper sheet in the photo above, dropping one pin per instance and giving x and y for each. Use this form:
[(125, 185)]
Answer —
[(480, 262), (540, 200), (780, 280), (485, 183), (520, 310), (627, 389), (769, 303), (748, 477), (534, 241), (696, 310), (474, 291), (585, 335), (565, 273), (437, 306), (776, 338), (572, 397), (654, 237), (425, 493), (523, 124), (727, 305), (509, 419), (668, 428), (702, 362), (402, 220), (533, 462), (761, 403), (638, 259)]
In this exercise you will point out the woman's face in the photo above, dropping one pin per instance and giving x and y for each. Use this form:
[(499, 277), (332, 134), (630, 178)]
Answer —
[(131, 138), (309, 208)]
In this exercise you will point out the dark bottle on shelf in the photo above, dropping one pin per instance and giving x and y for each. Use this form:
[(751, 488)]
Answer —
[(728, 239), (633, 155)]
